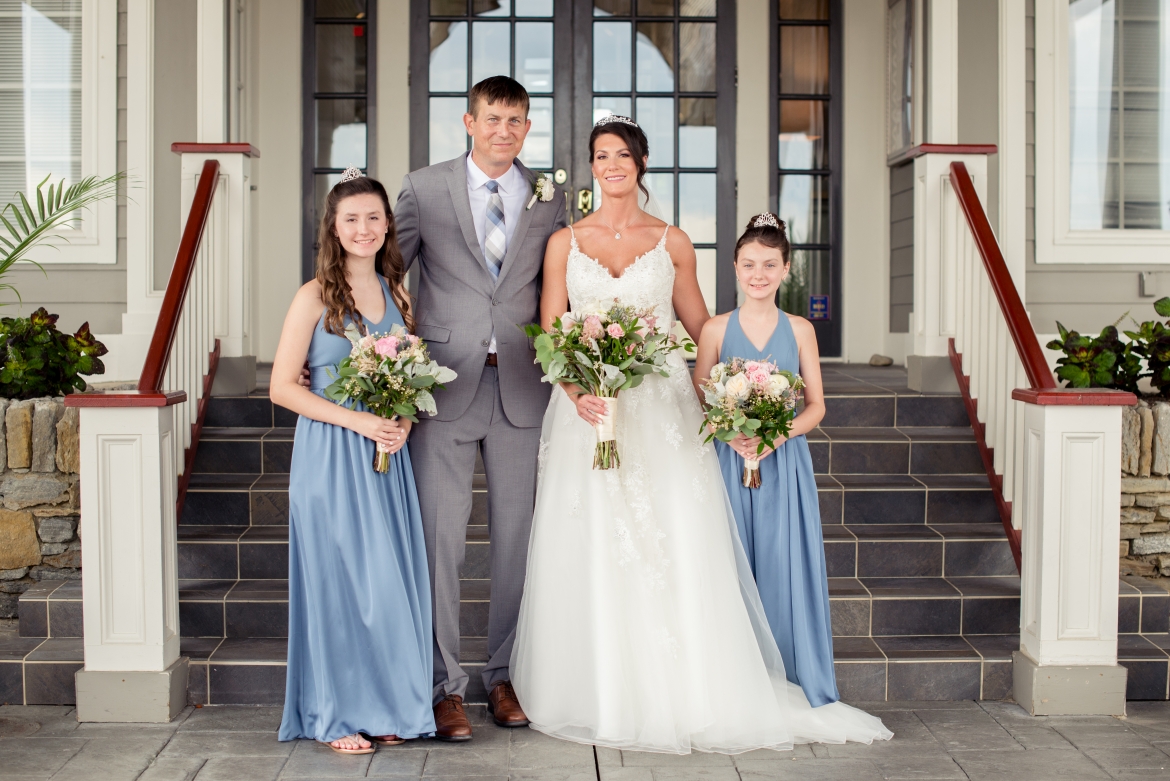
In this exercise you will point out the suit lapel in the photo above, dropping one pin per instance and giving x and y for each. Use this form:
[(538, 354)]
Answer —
[(522, 227), (457, 183)]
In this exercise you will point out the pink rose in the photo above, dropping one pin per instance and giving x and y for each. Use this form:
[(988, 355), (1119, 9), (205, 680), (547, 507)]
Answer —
[(412, 339), (615, 330), (366, 342), (592, 327), (758, 376), (387, 346)]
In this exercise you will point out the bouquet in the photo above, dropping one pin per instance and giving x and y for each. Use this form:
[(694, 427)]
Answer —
[(604, 352), (391, 374), (753, 398)]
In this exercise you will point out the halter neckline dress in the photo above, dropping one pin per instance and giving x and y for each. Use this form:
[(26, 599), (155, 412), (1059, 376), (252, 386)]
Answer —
[(359, 597), (780, 527)]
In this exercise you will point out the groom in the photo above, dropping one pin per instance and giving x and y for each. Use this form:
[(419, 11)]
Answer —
[(478, 237)]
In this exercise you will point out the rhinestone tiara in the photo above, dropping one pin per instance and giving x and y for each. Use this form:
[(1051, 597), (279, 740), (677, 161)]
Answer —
[(766, 220), (611, 118), (350, 174)]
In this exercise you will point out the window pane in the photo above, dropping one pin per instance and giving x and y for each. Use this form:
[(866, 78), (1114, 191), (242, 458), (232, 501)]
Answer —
[(491, 7), (696, 132), (802, 134), (322, 184), (491, 50), (696, 207), (534, 7), (804, 205), (804, 9), (656, 118), (534, 55), (705, 261), (448, 57), (655, 7), (448, 7), (804, 60), (447, 137), (538, 146), (611, 57), (341, 58), (697, 8), (605, 106), (661, 187), (611, 7), (809, 275), (696, 42), (341, 9), (655, 56), (341, 133)]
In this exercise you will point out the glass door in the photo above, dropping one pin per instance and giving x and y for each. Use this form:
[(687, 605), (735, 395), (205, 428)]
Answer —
[(668, 64)]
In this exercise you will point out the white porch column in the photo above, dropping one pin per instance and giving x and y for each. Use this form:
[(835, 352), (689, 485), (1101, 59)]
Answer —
[(942, 72), (130, 595), (212, 66), (939, 228), (230, 246), (1067, 662)]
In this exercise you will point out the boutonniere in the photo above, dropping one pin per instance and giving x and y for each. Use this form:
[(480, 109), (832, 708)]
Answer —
[(543, 189)]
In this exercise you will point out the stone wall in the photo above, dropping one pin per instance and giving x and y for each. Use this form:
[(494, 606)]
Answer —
[(1145, 489), (39, 494)]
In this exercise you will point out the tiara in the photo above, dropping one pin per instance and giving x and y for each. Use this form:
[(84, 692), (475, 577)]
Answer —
[(611, 118), (766, 220), (350, 174)]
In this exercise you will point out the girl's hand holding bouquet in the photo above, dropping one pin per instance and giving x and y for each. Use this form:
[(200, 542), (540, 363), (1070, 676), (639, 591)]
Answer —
[(751, 402), (603, 352), (393, 375)]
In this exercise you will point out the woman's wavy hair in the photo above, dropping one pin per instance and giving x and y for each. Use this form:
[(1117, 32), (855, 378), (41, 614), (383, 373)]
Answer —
[(335, 290), (769, 230), (634, 139)]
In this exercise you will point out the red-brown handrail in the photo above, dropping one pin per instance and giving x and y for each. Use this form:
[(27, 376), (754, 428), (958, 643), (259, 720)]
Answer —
[(1019, 326), (159, 353)]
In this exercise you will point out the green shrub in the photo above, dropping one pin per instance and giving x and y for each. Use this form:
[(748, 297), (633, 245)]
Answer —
[(38, 360), (1105, 361)]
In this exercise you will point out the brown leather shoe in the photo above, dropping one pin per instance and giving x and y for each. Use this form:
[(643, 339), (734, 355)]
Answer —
[(504, 706), (451, 722)]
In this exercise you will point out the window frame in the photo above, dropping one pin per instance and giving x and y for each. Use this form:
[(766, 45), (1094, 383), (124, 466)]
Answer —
[(1056, 241), (96, 242)]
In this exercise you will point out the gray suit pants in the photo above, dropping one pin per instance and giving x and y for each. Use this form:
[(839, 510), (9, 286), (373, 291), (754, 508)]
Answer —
[(443, 453)]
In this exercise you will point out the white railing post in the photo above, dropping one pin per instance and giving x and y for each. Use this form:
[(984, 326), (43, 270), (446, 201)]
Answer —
[(133, 671), (230, 249), (1067, 662)]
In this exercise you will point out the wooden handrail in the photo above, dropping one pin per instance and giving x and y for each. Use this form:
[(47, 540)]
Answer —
[(159, 353), (1019, 326)]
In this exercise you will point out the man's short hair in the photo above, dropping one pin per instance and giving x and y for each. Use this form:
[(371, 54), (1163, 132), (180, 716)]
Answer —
[(497, 89)]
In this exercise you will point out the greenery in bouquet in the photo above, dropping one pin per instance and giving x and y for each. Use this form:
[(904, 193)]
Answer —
[(604, 351), (391, 374), (753, 398), (38, 360)]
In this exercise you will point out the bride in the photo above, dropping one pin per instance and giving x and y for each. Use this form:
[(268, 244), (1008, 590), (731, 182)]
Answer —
[(640, 626)]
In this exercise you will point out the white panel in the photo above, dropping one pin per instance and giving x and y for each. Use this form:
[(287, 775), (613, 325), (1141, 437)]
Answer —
[(169, 542), (1033, 538), (120, 531), (1080, 536)]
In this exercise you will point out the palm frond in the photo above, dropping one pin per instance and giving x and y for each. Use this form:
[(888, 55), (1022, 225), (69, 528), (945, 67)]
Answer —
[(56, 205)]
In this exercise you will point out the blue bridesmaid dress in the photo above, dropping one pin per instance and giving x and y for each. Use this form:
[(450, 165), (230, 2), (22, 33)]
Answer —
[(780, 526), (359, 599)]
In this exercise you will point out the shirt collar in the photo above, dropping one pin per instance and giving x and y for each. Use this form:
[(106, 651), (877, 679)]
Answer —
[(476, 178)]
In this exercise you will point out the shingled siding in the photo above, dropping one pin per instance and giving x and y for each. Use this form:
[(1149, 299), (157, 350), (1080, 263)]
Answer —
[(901, 247)]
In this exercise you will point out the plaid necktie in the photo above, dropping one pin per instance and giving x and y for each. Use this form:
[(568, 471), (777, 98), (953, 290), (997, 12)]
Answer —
[(495, 243)]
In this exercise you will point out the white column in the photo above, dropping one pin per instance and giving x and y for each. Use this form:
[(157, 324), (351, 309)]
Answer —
[(211, 61), (942, 72), (1013, 170), (1067, 662), (130, 595)]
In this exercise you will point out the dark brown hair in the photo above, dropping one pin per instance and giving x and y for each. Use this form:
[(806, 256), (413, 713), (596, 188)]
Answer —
[(769, 236), (634, 139), (497, 89), (388, 262)]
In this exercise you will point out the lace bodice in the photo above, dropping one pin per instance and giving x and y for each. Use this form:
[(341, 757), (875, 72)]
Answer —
[(647, 282)]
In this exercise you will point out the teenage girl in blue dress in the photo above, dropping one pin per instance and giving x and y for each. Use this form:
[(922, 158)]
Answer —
[(359, 599), (779, 522)]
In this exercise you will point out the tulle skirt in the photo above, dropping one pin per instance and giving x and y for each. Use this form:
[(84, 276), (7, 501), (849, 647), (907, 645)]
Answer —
[(640, 626)]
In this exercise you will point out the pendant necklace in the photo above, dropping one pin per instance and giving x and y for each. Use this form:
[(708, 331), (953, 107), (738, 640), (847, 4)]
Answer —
[(617, 234)]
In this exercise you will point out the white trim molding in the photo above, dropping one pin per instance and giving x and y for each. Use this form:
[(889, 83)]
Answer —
[(1056, 242)]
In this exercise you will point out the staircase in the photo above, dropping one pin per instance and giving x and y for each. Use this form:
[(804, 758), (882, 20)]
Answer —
[(924, 592)]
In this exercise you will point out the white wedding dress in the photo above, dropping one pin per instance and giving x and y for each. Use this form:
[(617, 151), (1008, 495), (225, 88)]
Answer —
[(640, 626)]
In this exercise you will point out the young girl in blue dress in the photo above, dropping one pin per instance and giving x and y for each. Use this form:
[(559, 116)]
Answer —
[(359, 630), (779, 522)]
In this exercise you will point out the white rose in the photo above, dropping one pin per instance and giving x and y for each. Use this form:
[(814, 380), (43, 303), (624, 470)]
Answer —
[(777, 384), (717, 372), (738, 387)]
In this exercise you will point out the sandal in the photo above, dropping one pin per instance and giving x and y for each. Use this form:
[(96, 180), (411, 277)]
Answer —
[(387, 740), (355, 737)]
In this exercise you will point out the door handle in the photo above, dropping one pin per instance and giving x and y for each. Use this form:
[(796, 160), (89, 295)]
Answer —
[(584, 201)]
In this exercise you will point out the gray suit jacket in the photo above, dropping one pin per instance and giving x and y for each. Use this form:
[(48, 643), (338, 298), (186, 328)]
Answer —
[(458, 301)]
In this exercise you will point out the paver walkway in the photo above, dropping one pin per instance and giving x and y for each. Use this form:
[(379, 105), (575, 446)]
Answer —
[(933, 740)]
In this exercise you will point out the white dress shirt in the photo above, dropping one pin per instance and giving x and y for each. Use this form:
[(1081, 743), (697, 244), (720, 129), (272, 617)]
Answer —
[(514, 192)]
